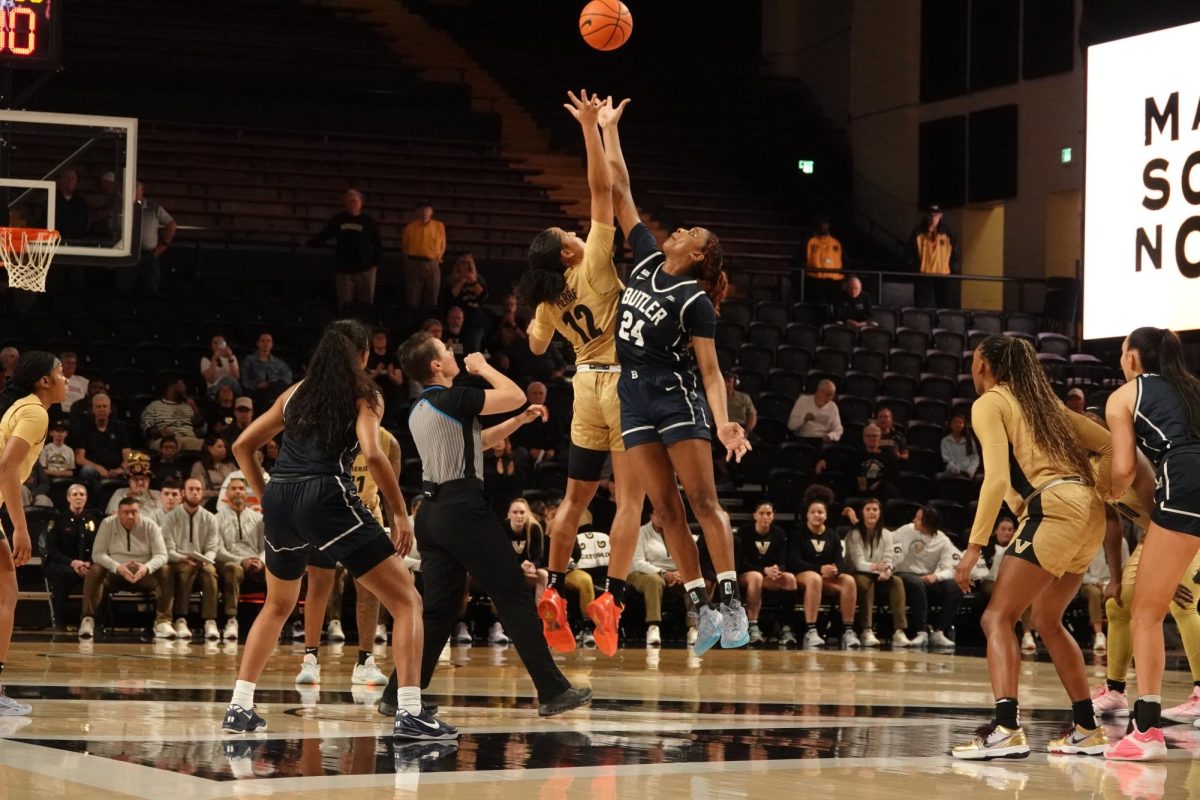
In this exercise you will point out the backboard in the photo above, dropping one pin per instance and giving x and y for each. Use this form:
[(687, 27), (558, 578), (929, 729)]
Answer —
[(76, 174)]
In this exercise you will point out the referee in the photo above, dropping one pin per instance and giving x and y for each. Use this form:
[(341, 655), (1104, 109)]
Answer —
[(457, 531)]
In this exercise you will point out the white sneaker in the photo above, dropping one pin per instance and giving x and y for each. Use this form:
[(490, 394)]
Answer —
[(310, 670), (850, 640), (231, 630), (461, 634), (1028, 645), (900, 639), (497, 635), (381, 634), (182, 631), (210, 630), (653, 637), (920, 640), (941, 640), (691, 635), (869, 639), (1100, 643), (87, 628), (368, 673), (813, 640), (334, 631), (587, 638), (163, 630)]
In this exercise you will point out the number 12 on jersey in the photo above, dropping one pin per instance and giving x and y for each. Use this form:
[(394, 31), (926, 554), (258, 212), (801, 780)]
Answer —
[(631, 331)]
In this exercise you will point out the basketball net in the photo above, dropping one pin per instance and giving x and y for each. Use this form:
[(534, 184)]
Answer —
[(26, 253)]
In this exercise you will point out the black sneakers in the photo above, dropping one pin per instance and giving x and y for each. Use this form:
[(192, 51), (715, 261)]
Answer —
[(241, 720), (571, 698)]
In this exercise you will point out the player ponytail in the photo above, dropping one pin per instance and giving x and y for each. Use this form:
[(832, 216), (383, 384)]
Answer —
[(325, 405), (1015, 364), (710, 275), (31, 368), (1161, 353)]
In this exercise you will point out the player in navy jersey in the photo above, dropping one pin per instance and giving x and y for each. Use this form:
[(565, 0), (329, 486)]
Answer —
[(1158, 410), (665, 327), (311, 506)]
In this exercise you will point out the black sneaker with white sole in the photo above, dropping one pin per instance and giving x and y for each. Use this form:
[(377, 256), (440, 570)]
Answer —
[(388, 708), (571, 698), (241, 720), (422, 727), (416, 756)]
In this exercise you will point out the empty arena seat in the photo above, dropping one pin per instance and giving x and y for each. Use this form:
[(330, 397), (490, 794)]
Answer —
[(913, 340), (772, 312), (914, 486), (931, 409), (897, 384), (793, 358), (920, 319), (775, 406), (878, 339), (798, 456), (730, 334), (814, 314), (1023, 322), (841, 337), (832, 360), (925, 435), (953, 320), (949, 341), (862, 384), (951, 487), (885, 318), (871, 362), (988, 321), (751, 381), (907, 362), (938, 386), (737, 312), (927, 462), (785, 382), (944, 364), (765, 334), (855, 409), (975, 338), (1055, 343), (803, 335), (756, 357), (785, 488)]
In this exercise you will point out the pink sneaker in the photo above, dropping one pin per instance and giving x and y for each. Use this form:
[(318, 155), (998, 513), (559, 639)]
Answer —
[(1107, 703), (1187, 711), (1139, 746), (1145, 781)]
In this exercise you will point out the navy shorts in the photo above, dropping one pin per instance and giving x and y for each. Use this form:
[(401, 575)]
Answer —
[(320, 520), (1177, 494), (662, 407)]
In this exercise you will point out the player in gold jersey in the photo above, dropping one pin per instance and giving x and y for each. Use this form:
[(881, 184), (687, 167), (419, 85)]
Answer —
[(575, 289), (323, 574)]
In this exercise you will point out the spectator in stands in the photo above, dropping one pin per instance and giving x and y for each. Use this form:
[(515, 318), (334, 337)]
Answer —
[(539, 439), (165, 464), (9, 357), (870, 553), (510, 327), (529, 543), (170, 495), (81, 411), (174, 413), (741, 407), (823, 263), (220, 368), (384, 367), (1002, 536), (243, 415), (761, 565), (212, 468), (36, 489), (70, 208), (106, 224), (452, 334), (877, 470), (959, 451), (359, 250), (890, 438), (654, 574), (502, 477), (577, 580), (241, 552), (524, 365), (1076, 400), (191, 536), (1092, 592), (424, 241), (101, 446), (57, 459), (128, 553), (932, 252), (925, 561), (815, 416), (77, 385), (853, 307), (433, 326), (67, 556), (270, 452), (467, 290), (158, 230), (264, 375), (221, 410), (139, 488), (814, 556)]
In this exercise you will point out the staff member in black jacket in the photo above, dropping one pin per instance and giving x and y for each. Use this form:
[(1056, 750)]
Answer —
[(67, 556), (761, 552), (359, 249), (815, 556), (457, 532)]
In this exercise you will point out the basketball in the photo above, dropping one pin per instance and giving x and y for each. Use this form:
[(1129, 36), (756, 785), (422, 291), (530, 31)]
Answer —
[(606, 24)]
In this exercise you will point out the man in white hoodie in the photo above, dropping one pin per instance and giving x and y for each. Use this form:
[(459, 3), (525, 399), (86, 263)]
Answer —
[(189, 531), (925, 560), (241, 552), (128, 552)]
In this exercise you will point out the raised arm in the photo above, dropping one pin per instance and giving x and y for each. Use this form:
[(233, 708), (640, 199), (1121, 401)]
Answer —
[(987, 417), (504, 396), (498, 433), (622, 194), (1119, 415), (586, 109)]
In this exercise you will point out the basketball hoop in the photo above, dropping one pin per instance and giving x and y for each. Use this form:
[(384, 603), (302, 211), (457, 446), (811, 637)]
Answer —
[(26, 253)]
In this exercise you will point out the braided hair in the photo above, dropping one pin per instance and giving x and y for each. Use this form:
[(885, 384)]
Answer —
[(1015, 364), (31, 368), (710, 275)]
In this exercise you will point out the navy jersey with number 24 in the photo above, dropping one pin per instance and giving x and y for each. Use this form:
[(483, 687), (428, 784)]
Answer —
[(659, 313)]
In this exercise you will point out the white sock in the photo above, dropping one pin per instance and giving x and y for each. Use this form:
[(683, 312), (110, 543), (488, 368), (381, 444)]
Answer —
[(243, 694), (727, 576), (409, 698), (696, 584)]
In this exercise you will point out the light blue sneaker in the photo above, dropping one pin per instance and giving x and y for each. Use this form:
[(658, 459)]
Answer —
[(735, 630), (708, 630)]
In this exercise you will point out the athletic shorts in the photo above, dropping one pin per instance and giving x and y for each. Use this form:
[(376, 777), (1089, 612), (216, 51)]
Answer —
[(596, 424), (1061, 529), (1177, 494), (662, 407), (1130, 507), (1191, 575), (323, 522)]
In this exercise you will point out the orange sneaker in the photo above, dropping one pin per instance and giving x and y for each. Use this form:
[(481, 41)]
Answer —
[(552, 608), (605, 612)]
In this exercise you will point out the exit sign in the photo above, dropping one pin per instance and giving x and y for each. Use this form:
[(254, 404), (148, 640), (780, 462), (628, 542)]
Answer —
[(805, 166), (1066, 155)]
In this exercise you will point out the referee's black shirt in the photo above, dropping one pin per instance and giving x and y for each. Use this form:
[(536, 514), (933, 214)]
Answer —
[(445, 427)]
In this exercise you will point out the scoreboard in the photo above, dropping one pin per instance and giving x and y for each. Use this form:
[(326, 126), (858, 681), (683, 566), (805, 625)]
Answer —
[(30, 33)]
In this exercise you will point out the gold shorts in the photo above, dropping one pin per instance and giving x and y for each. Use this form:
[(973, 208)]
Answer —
[(597, 421), (1061, 529), (1129, 571)]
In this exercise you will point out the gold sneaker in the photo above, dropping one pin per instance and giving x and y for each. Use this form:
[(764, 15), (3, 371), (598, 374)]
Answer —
[(994, 741), (1080, 741)]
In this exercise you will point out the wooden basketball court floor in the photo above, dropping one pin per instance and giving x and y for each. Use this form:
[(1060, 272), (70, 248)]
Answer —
[(142, 720)]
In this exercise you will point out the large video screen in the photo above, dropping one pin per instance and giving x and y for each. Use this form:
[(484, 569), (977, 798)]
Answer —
[(1141, 261)]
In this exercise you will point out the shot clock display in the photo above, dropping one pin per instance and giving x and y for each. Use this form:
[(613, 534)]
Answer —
[(29, 33)]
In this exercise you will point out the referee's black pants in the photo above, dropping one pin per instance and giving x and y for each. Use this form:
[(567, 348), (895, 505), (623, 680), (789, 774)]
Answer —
[(458, 533)]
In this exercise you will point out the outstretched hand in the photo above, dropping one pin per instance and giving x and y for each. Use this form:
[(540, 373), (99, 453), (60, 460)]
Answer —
[(610, 115), (734, 438), (535, 412), (585, 108)]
